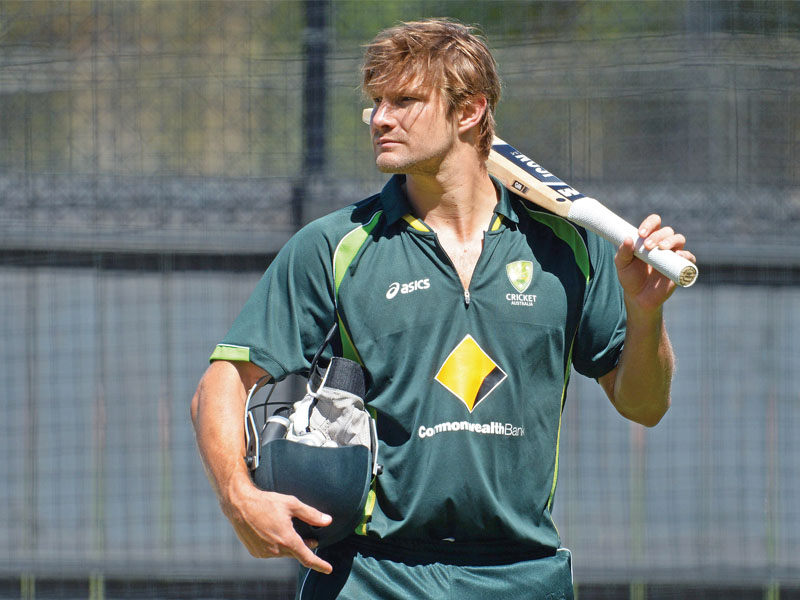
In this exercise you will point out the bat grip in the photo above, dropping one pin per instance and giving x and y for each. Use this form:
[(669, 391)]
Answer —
[(592, 215)]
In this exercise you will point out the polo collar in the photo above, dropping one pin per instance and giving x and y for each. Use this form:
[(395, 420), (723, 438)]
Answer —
[(504, 207), (396, 206), (394, 199)]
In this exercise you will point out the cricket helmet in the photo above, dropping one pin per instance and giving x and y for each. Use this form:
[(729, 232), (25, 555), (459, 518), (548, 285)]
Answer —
[(324, 451)]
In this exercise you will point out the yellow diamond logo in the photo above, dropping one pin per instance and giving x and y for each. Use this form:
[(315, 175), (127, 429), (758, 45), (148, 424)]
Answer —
[(469, 373)]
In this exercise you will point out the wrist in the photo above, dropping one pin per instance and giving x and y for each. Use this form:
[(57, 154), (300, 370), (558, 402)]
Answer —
[(645, 316), (235, 492)]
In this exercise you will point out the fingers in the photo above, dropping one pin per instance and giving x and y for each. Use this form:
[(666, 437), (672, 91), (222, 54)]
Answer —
[(310, 515), (655, 236), (646, 287), (687, 255), (311, 543), (290, 544), (304, 553), (264, 524), (625, 254), (649, 225), (665, 239)]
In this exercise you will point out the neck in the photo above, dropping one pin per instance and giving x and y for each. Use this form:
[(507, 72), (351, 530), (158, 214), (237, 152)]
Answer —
[(459, 198)]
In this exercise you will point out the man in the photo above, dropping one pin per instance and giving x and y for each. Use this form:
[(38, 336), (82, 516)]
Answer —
[(468, 309)]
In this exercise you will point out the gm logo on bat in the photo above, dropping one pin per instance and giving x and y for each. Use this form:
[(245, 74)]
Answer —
[(519, 186), (523, 189)]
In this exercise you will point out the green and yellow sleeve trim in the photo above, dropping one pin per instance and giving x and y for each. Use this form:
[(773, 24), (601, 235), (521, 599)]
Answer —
[(230, 352)]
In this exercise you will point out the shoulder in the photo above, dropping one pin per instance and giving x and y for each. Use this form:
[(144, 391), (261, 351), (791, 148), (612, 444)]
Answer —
[(589, 249), (336, 225), (326, 233)]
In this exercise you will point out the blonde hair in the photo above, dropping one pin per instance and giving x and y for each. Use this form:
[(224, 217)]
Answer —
[(443, 55)]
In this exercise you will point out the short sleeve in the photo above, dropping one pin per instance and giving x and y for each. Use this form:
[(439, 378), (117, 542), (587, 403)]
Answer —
[(601, 331), (285, 320)]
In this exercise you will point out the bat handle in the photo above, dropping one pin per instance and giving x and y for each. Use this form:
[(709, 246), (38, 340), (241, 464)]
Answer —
[(595, 217)]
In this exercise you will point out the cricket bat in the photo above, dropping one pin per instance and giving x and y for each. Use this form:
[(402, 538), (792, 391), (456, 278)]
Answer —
[(527, 179)]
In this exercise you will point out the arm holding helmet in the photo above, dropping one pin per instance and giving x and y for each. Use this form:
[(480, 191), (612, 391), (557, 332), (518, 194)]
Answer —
[(280, 326), (262, 520)]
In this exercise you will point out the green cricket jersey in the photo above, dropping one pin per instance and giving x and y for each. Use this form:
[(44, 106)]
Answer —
[(468, 385)]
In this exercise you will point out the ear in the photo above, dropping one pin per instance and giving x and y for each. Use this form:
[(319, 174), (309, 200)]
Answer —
[(472, 113)]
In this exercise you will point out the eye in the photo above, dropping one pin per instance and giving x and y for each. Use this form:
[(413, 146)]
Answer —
[(376, 100)]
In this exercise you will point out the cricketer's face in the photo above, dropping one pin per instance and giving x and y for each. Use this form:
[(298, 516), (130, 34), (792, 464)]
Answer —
[(411, 132)]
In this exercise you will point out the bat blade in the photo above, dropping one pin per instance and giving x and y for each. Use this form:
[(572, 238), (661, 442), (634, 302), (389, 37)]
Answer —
[(528, 179)]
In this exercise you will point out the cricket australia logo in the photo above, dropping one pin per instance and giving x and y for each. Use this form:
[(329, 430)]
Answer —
[(520, 274)]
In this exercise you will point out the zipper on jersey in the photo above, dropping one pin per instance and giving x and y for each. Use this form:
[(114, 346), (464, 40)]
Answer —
[(467, 297)]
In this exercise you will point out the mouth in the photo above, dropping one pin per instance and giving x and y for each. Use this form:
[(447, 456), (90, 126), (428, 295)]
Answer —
[(384, 142)]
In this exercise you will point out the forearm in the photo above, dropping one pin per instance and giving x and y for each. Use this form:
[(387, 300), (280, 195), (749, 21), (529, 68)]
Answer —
[(641, 389), (262, 520), (640, 385), (217, 415)]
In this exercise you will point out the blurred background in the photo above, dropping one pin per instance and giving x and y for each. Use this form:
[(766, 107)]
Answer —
[(155, 155)]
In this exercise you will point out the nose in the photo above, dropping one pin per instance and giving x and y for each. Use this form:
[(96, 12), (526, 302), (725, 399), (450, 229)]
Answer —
[(381, 115)]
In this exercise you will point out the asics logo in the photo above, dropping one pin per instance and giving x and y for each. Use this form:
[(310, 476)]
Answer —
[(407, 288)]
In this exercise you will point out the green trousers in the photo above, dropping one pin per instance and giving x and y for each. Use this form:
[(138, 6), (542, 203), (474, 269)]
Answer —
[(378, 571)]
